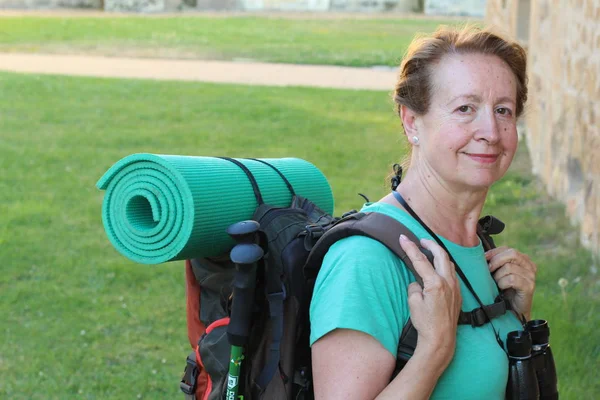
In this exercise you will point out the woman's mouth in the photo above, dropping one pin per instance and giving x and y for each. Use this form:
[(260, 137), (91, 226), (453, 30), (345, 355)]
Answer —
[(483, 158)]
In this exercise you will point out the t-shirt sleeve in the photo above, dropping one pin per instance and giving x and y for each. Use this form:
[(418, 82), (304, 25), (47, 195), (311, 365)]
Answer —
[(362, 286)]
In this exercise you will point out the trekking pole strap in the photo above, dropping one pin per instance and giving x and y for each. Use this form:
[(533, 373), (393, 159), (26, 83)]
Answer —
[(276, 316)]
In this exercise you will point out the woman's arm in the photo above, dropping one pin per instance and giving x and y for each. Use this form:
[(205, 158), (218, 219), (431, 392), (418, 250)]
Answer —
[(349, 364), (419, 376)]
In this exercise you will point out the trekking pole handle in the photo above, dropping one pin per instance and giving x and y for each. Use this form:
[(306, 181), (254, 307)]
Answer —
[(244, 231), (245, 256)]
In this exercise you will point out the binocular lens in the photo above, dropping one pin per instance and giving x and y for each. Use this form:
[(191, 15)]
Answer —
[(539, 330), (519, 344)]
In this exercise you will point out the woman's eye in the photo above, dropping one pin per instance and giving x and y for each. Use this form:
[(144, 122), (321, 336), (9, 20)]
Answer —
[(464, 109), (504, 111)]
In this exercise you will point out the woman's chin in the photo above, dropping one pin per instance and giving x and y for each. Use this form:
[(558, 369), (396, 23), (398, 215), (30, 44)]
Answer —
[(481, 180)]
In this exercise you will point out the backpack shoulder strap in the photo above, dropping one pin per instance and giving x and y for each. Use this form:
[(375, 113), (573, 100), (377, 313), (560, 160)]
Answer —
[(386, 230), (375, 225)]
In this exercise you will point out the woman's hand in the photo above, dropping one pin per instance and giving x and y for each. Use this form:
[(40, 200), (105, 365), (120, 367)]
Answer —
[(514, 272), (435, 307)]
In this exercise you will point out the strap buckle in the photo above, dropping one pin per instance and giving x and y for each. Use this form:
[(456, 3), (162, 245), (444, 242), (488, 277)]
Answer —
[(478, 317), (301, 378), (314, 231), (190, 375), (491, 225)]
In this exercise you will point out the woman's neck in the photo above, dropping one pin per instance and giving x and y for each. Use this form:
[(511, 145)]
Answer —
[(448, 212)]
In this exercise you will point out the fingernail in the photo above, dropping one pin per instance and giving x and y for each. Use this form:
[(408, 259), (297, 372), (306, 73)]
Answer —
[(404, 238)]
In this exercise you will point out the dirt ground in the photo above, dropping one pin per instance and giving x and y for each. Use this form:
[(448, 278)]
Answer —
[(249, 73)]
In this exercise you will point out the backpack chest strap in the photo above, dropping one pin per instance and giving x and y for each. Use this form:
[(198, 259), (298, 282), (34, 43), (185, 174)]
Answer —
[(479, 316)]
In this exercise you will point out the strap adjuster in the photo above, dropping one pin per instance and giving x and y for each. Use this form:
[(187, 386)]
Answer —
[(507, 304), (190, 375), (478, 317), (349, 213)]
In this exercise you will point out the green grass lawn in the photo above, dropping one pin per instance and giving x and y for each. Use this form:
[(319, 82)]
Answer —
[(353, 42), (81, 321)]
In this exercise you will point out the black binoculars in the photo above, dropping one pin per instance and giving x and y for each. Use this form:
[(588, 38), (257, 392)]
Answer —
[(532, 373)]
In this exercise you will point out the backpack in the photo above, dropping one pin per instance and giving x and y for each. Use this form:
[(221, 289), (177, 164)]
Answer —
[(277, 360)]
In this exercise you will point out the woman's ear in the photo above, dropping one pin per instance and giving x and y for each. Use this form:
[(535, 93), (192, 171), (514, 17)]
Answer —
[(408, 118)]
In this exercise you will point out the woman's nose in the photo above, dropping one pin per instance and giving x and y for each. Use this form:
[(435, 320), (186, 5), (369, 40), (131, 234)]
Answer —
[(487, 128)]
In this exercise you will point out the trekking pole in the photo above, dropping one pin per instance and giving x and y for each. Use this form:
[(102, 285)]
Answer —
[(245, 256)]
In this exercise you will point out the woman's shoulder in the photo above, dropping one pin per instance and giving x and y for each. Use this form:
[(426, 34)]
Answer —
[(357, 257), (361, 285)]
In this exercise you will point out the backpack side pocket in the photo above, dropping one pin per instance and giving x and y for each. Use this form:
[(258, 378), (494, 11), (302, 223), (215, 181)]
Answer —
[(213, 357)]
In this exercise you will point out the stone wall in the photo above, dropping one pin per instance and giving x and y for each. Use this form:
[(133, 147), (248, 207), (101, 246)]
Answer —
[(50, 4), (286, 5), (563, 112), (470, 8), (134, 5), (150, 6), (502, 15), (312, 5)]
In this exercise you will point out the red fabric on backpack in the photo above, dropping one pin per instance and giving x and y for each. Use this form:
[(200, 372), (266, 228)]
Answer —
[(195, 327)]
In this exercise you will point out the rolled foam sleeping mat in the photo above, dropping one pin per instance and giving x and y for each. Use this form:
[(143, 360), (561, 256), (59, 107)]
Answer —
[(160, 208)]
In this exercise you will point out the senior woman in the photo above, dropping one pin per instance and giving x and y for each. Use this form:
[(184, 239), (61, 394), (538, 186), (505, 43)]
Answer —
[(459, 94)]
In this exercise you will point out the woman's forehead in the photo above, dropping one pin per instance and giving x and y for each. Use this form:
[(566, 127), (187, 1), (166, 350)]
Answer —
[(473, 75)]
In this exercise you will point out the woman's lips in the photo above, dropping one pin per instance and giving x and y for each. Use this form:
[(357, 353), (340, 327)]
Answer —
[(483, 158)]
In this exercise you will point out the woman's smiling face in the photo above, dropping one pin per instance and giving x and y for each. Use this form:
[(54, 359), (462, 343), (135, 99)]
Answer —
[(468, 137)]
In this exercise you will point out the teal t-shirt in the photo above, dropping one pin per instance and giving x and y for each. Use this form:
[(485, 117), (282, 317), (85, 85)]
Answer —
[(363, 286)]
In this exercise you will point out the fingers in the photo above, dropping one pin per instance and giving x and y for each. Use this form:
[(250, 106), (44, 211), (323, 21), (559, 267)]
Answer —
[(415, 297), (517, 282), (503, 255), (441, 261), (415, 291), (514, 269), (432, 275), (516, 277), (496, 250), (421, 264)]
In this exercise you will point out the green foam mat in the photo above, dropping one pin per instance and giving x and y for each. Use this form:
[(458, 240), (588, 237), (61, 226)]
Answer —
[(160, 208)]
